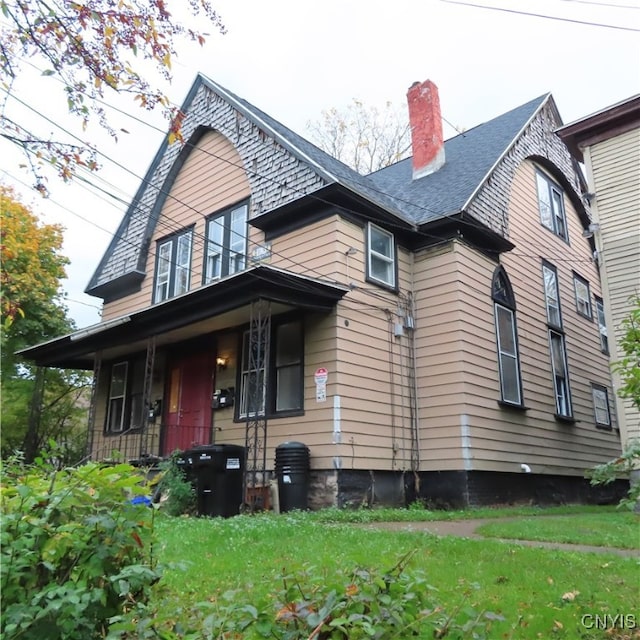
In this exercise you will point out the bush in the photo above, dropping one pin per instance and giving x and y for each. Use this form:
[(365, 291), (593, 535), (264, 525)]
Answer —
[(75, 550), (621, 467), (179, 492)]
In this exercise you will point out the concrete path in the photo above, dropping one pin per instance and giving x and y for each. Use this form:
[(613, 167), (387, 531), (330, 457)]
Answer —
[(467, 529)]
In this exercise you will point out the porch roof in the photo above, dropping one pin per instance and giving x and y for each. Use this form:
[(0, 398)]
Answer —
[(193, 309)]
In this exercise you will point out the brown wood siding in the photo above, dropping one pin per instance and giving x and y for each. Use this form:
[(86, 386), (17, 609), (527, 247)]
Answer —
[(503, 438), (211, 179)]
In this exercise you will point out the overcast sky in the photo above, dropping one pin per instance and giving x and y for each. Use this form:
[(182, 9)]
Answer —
[(292, 59)]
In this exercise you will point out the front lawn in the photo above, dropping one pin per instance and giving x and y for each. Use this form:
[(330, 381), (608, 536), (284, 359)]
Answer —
[(620, 529), (540, 593)]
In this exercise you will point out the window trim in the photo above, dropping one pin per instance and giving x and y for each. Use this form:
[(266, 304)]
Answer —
[(568, 415), (579, 280), (602, 326), (225, 251), (392, 259), (132, 391), (503, 298), (552, 269), (171, 283), (552, 189), (270, 379), (608, 426)]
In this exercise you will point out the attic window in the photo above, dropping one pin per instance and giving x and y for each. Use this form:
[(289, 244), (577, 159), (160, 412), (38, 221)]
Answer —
[(551, 205), (381, 256)]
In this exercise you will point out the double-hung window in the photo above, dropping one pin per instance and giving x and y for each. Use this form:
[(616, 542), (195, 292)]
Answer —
[(504, 306), (602, 325), (125, 402), (226, 248), (117, 398), (173, 265), (557, 346), (271, 377), (381, 256), (601, 410), (583, 296), (551, 205)]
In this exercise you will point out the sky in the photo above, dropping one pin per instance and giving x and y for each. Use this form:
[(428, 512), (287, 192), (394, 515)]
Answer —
[(294, 59)]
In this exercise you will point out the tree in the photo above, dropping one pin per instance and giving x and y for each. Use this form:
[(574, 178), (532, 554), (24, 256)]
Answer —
[(629, 365), (31, 311), (365, 138), (86, 45)]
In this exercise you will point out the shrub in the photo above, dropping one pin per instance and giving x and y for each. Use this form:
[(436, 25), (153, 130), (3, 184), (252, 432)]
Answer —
[(75, 550), (179, 492), (620, 467)]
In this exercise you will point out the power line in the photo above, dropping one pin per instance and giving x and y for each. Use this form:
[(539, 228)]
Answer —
[(541, 15)]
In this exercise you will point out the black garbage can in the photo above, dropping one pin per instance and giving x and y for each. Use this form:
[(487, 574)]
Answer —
[(292, 472), (219, 473), (184, 462)]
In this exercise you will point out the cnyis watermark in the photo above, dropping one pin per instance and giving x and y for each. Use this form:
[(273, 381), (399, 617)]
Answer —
[(609, 621)]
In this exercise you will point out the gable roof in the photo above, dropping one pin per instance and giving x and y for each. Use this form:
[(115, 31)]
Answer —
[(469, 159), (390, 194)]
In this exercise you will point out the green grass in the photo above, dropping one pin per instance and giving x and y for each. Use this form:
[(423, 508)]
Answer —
[(525, 585), (621, 529)]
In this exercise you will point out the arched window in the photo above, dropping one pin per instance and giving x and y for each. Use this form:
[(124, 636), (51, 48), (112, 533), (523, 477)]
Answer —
[(504, 306)]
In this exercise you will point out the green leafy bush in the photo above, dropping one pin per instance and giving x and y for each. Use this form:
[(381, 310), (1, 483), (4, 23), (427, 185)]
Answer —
[(179, 492), (75, 549), (356, 604), (620, 467)]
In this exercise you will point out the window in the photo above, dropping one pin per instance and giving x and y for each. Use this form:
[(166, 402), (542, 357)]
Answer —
[(552, 295), (560, 374), (125, 408), (117, 398), (506, 338), (226, 243), (601, 406), (602, 325), (583, 296), (551, 204), (173, 266), (381, 256), (271, 379)]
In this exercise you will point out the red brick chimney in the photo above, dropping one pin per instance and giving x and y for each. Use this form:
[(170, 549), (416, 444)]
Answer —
[(426, 128)]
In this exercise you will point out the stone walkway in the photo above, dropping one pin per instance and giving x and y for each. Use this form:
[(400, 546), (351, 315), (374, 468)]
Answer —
[(467, 529)]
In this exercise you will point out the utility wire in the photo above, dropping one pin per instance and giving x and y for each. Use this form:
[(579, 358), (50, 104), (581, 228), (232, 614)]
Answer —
[(541, 15)]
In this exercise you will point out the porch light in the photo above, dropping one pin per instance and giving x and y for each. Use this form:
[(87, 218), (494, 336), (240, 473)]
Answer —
[(222, 362)]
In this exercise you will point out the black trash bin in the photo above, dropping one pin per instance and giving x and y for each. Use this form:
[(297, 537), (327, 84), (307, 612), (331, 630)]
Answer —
[(219, 473), (292, 472)]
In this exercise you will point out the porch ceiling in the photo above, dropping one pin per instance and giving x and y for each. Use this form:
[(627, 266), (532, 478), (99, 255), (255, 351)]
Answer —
[(213, 307)]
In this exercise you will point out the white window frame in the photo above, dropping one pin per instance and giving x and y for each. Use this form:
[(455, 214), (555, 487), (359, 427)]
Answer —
[(602, 325), (583, 296), (388, 258), (560, 371), (226, 250), (117, 399), (601, 408), (173, 274), (551, 295), (508, 356), (551, 206)]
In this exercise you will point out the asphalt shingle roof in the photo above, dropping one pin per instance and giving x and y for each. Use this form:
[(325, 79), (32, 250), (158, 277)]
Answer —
[(469, 157)]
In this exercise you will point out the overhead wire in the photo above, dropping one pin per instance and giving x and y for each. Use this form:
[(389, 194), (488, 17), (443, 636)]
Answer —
[(541, 15), (173, 225)]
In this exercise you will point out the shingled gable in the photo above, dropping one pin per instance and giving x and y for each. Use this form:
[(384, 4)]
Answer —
[(281, 167)]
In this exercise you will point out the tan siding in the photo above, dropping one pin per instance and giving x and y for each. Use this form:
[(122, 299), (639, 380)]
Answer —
[(614, 174), (211, 179), (501, 438)]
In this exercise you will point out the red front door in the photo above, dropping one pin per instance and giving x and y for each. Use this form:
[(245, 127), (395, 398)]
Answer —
[(188, 408)]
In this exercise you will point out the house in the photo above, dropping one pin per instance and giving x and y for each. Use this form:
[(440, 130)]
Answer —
[(427, 331), (608, 143)]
